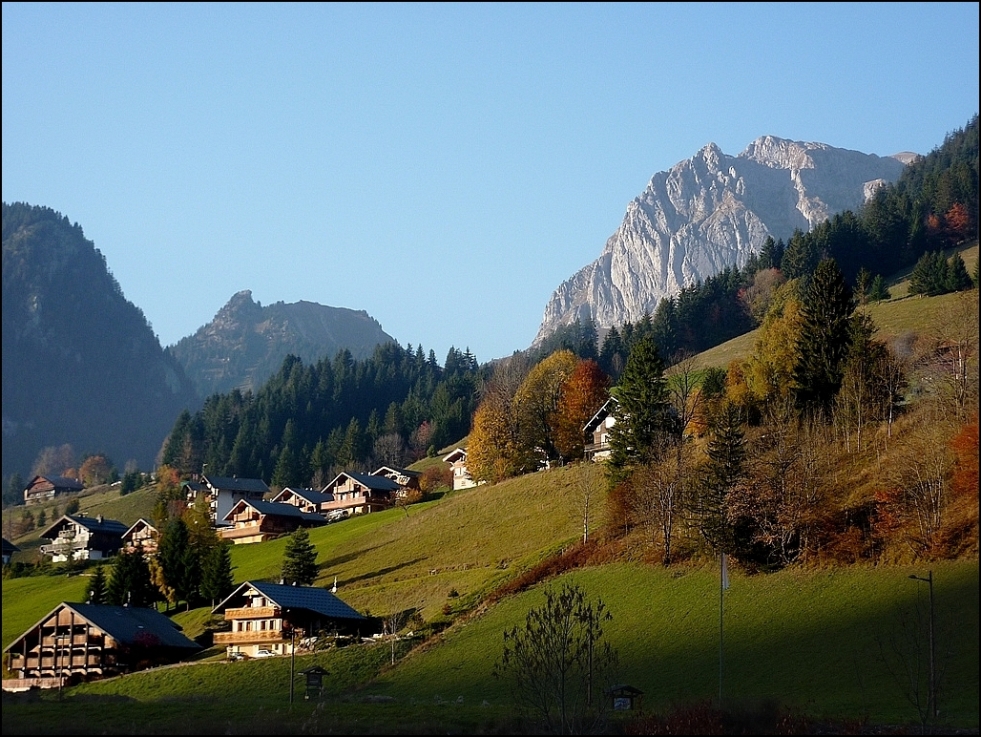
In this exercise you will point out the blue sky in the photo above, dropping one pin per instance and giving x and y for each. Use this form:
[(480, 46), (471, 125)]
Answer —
[(443, 167)]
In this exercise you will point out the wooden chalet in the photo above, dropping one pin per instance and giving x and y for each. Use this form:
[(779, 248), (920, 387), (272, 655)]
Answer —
[(45, 488), (307, 500), (142, 536), (458, 465), (77, 537), (223, 492), (597, 432), (87, 641), (277, 618), (255, 522), (360, 493), (405, 478)]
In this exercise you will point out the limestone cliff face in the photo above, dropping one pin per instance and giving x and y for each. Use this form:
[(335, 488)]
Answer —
[(708, 213)]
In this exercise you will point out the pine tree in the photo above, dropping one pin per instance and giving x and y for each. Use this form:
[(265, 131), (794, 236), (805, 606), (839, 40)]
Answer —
[(216, 574), (957, 277), (95, 592), (878, 291), (179, 562), (300, 559), (824, 338), (642, 421), (724, 469), (130, 582)]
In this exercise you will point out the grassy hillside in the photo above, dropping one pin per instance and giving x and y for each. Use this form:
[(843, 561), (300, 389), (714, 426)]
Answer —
[(896, 316)]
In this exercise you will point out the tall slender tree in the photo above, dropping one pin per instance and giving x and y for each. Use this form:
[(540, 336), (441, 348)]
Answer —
[(824, 338)]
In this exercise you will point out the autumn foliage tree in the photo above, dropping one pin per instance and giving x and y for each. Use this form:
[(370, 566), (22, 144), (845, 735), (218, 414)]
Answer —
[(581, 395), (537, 401)]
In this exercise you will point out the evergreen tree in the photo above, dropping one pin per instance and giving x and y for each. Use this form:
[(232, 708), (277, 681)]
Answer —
[(957, 277), (179, 563), (642, 420), (300, 559), (130, 583), (95, 592), (724, 469), (878, 291), (824, 337), (929, 276), (216, 574)]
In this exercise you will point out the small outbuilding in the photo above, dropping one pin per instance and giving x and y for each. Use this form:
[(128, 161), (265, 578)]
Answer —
[(625, 698)]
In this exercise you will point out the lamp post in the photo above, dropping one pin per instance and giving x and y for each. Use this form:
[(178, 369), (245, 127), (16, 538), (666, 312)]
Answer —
[(932, 694)]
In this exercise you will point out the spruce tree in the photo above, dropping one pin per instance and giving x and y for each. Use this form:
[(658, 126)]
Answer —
[(300, 559), (824, 338), (179, 562), (724, 469), (641, 410), (957, 277), (95, 592), (216, 573), (878, 291), (130, 583)]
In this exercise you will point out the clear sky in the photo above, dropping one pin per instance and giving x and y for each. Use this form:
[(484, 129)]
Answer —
[(443, 167)]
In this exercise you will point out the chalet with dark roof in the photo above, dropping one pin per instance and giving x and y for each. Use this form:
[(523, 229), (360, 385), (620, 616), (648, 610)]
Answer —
[(405, 478), (224, 492), (45, 488), (307, 500), (360, 493), (141, 536), (77, 537), (255, 522), (597, 432), (277, 618), (88, 641)]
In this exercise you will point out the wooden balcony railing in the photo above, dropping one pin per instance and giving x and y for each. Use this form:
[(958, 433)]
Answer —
[(250, 636), (254, 612)]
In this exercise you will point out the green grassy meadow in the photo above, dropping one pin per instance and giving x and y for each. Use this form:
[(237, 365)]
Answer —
[(825, 643)]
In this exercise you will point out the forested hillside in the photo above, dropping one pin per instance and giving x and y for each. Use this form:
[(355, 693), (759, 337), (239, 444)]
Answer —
[(83, 372)]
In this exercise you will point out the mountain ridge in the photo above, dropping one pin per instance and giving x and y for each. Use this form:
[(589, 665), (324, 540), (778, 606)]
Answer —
[(710, 212)]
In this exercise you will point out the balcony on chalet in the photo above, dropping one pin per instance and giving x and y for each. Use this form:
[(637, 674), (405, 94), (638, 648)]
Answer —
[(249, 637), (254, 612)]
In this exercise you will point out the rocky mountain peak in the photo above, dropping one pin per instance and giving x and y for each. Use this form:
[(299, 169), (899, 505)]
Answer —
[(708, 213)]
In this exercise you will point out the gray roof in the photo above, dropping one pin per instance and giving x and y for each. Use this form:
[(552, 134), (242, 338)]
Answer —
[(394, 469), (311, 598), (379, 483), (234, 483), (279, 509), (128, 625), (311, 495)]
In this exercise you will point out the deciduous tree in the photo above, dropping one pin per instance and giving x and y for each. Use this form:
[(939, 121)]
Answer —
[(582, 394)]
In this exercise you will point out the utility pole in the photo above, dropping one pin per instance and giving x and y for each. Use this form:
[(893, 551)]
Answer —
[(932, 694)]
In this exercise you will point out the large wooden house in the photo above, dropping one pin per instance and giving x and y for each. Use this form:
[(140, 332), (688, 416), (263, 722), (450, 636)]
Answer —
[(77, 537), (45, 488), (224, 492), (406, 479), (276, 618), (255, 522), (85, 641), (360, 493)]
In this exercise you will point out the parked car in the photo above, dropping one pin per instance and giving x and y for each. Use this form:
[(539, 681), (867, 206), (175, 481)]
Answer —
[(264, 653)]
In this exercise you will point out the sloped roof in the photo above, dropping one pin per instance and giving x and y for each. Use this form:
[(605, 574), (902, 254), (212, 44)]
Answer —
[(455, 454), (92, 524), (600, 415), (233, 483), (311, 598), (9, 547), (400, 471), (141, 522), (311, 495), (378, 483), (127, 625), (59, 482), (277, 509)]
